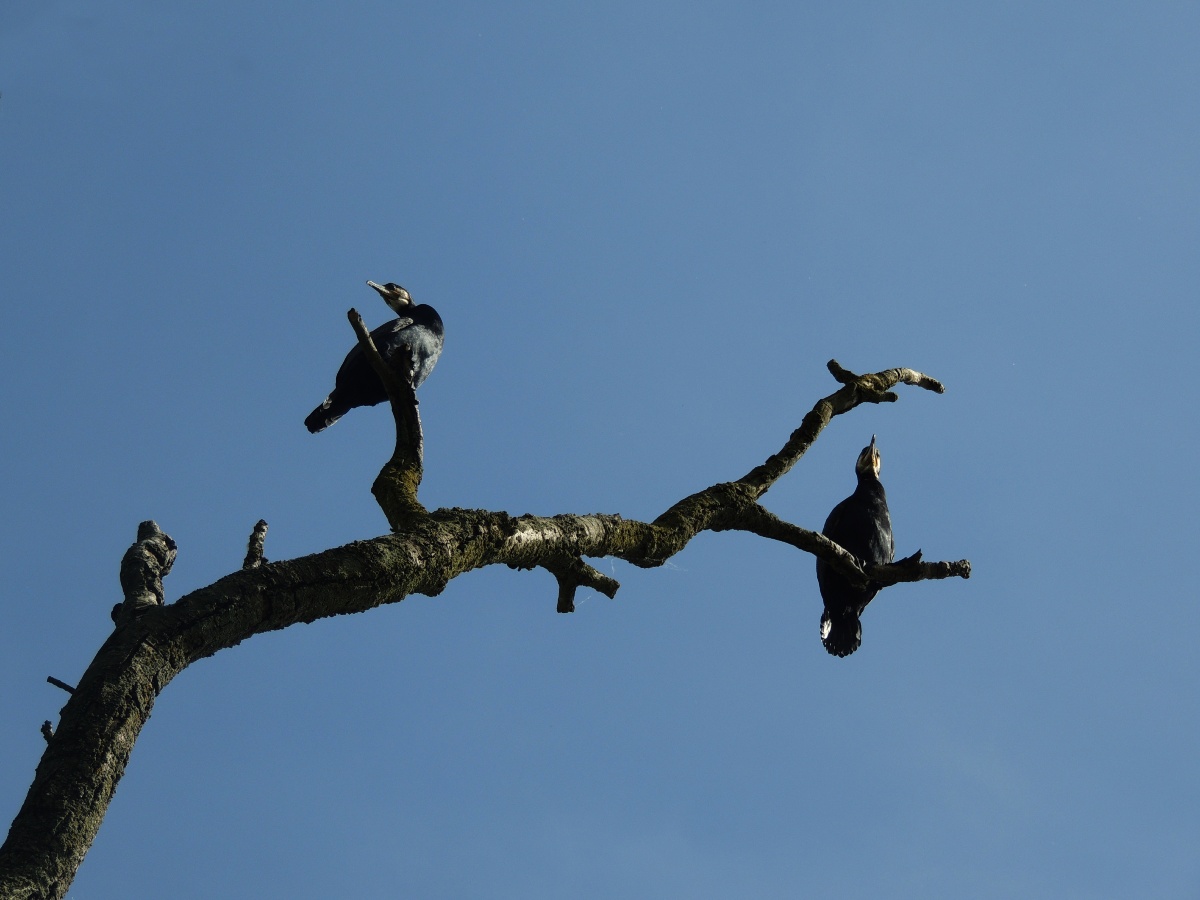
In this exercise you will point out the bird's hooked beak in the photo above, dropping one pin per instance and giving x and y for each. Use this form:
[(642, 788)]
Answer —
[(393, 295)]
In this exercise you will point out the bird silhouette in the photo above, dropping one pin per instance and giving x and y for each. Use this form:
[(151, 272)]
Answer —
[(410, 344), (862, 525)]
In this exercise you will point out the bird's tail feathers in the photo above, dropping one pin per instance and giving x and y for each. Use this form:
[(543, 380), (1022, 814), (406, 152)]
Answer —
[(323, 416), (841, 635)]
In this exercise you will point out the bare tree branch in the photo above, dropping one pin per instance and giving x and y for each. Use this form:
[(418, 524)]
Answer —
[(82, 764)]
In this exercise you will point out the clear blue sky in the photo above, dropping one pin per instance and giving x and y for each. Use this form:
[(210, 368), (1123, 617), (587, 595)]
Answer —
[(647, 227)]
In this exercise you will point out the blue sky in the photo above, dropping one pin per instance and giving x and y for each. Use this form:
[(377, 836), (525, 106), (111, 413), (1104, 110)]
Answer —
[(647, 226)]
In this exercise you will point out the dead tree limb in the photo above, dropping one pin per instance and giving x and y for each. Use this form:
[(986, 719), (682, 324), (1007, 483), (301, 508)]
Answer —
[(90, 748)]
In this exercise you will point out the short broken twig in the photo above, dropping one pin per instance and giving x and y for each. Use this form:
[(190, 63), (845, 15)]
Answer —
[(60, 684)]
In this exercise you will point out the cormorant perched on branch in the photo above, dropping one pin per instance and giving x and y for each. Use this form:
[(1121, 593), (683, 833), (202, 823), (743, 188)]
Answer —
[(410, 344), (860, 524)]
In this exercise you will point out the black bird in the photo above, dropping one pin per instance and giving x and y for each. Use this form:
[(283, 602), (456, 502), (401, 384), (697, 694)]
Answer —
[(860, 524), (410, 344)]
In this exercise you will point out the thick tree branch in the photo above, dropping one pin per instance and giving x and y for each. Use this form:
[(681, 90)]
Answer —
[(88, 752)]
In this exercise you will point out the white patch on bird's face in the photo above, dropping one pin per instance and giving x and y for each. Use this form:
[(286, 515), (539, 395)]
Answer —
[(398, 302)]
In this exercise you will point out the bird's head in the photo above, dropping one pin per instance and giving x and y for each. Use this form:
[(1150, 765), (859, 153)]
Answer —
[(869, 461), (393, 295), (841, 636)]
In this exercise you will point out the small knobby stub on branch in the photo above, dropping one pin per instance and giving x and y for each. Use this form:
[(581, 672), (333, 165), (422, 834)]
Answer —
[(143, 567), (254, 552), (396, 486)]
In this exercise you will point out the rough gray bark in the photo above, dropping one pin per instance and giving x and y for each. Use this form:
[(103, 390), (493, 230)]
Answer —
[(86, 755)]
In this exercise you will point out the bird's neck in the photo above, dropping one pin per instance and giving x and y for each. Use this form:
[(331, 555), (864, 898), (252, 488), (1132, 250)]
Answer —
[(870, 486)]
